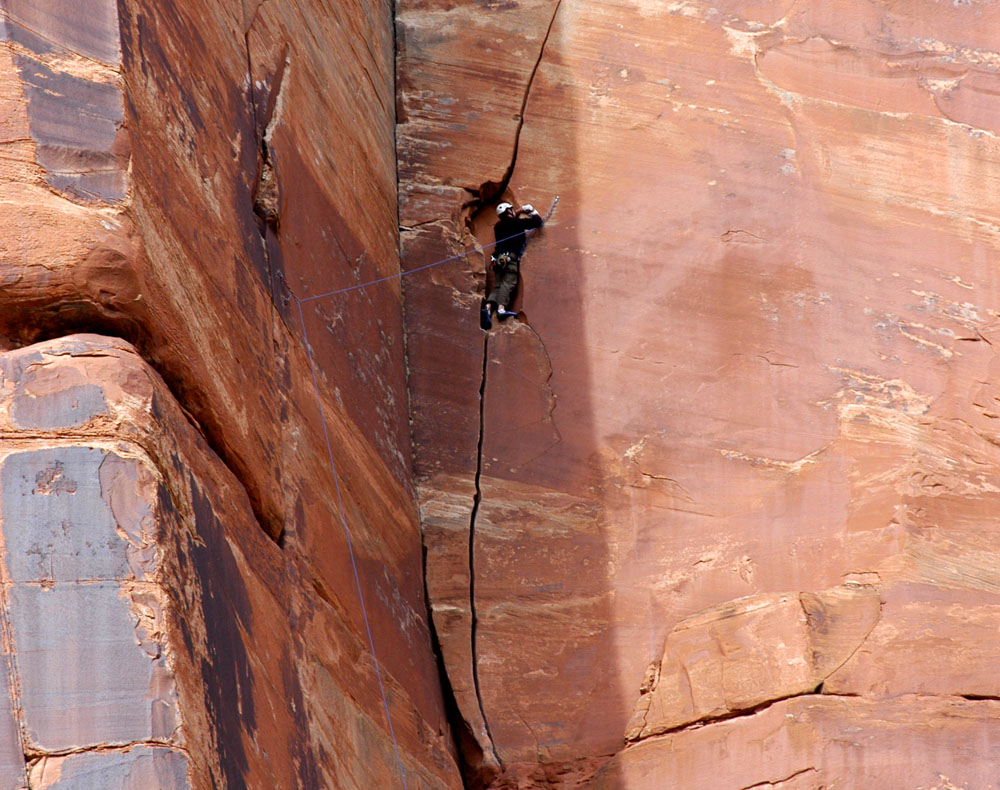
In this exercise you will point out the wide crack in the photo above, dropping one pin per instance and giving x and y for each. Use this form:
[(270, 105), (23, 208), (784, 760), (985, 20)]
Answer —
[(477, 500), (475, 776), (491, 190)]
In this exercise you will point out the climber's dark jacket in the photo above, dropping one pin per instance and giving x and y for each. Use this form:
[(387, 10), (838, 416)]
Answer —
[(514, 227), (511, 241)]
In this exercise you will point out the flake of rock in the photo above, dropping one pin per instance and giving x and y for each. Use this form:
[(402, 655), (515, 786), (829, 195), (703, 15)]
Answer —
[(811, 742), (744, 653)]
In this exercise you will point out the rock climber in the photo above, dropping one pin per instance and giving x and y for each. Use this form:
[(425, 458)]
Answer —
[(511, 240)]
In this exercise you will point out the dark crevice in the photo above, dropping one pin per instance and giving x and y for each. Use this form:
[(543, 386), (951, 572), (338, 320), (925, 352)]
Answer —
[(776, 782), (267, 219), (736, 714), (467, 750), (492, 190), (477, 772), (477, 500), (265, 192)]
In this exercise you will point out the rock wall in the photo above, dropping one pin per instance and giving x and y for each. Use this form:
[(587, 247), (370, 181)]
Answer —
[(176, 177), (717, 508), (755, 357)]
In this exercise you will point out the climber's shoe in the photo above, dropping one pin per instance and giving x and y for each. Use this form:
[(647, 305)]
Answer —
[(484, 319)]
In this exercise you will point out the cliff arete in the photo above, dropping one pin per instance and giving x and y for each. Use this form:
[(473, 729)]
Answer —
[(716, 510)]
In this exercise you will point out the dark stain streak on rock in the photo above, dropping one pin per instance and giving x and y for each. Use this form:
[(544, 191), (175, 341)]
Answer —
[(156, 64), (77, 124), (227, 674), (298, 739)]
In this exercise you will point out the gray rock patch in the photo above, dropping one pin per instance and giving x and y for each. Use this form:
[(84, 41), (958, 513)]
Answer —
[(65, 408), (85, 680), (56, 523), (141, 768)]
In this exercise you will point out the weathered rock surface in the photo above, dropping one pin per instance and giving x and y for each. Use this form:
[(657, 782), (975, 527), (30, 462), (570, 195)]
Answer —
[(138, 769), (172, 173), (741, 654), (756, 355), (811, 742), (144, 608)]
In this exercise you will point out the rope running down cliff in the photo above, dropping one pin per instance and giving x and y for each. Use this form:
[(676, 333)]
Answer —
[(333, 466), (347, 535)]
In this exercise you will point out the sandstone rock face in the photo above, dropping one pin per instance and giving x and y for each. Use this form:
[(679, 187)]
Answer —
[(812, 742), (755, 358), (175, 177), (741, 654), (143, 609), (718, 508)]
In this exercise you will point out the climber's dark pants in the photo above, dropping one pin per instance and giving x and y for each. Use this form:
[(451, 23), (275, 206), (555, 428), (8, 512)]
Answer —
[(504, 284)]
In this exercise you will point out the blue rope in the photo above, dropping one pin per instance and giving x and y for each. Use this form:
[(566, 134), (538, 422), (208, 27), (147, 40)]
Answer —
[(419, 268), (350, 545)]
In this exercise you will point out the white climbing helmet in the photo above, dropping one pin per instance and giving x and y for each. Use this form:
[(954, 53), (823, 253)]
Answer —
[(503, 207)]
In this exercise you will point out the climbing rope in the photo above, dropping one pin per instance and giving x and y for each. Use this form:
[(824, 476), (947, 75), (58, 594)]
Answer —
[(347, 535), (333, 466), (401, 274)]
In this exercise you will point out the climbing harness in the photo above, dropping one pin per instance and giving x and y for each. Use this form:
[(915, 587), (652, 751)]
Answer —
[(504, 259)]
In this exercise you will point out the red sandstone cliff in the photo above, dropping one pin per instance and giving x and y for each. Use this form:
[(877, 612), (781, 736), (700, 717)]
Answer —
[(737, 462), (716, 511), (174, 175)]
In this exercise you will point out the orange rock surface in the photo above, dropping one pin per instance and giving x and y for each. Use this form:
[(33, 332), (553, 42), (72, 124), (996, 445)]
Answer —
[(173, 174), (717, 509), (754, 358)]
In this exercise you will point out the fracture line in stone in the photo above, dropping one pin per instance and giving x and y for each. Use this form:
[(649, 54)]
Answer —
[(13, 673), (350, 545), (477, 500), (505, 181), (340, 502)]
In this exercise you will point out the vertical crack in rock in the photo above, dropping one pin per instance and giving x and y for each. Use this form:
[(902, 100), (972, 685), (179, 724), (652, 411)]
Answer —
[(248, 21), (489, 190), (478, 498), (467, 748), (265, 198), (12, 671)]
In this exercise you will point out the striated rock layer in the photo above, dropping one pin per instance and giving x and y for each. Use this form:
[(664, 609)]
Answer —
[(753, 370)]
